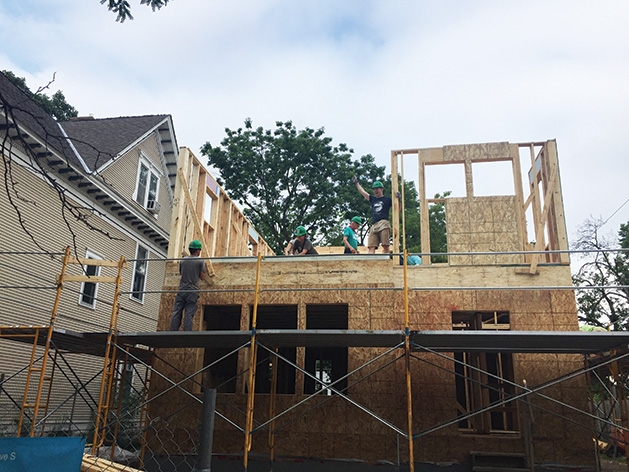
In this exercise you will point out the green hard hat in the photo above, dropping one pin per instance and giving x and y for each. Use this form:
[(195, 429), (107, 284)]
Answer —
[(377, 184), (300, 231), (357, 219), (195, 244)]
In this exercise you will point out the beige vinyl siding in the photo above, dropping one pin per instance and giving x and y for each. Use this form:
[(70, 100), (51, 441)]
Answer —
[(124, 173), (42, 218), (27, 286)]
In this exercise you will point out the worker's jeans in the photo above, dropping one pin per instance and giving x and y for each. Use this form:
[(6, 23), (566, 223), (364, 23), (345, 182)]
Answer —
[(185, 301)]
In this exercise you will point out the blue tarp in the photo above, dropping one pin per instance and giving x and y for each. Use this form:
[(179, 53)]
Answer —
[(41, 454)]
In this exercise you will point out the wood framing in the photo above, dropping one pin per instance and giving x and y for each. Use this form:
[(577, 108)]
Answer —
[(499, 215), (202, 210)]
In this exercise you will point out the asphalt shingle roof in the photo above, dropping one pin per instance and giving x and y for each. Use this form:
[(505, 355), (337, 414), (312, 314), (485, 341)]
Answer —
[(96, 140), (100, 140), (31, 118)]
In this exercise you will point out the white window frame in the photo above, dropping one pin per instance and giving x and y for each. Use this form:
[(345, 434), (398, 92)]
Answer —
[(152, 171), (137, 263), (89, 254)]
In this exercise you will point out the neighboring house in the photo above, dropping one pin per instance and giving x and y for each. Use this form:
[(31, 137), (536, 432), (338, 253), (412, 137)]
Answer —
[(101, 186)]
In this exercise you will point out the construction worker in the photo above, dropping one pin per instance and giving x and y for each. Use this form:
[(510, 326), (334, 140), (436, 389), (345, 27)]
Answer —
[(300, 245), (350, 241), (380, 233), (192, 269)]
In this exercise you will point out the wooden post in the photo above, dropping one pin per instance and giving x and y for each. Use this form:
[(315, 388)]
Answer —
[(396, 204), (252, 369), (424, 212)]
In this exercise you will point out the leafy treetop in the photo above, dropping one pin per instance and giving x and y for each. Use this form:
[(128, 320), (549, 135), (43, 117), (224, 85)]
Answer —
[(123, 9), (288, 177)]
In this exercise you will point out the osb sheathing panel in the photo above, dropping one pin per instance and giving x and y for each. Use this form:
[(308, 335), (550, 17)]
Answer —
[(476, 152), (323, 272), (482, 224), (338, 429)]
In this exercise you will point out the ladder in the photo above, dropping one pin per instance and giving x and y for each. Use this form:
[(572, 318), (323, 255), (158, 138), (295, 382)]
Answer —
[(38, 366)]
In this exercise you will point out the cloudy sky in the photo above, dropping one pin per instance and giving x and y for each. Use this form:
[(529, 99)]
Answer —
[(377, 75)]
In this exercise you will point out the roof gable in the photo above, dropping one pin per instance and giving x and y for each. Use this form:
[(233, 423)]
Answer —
[(99, 141)]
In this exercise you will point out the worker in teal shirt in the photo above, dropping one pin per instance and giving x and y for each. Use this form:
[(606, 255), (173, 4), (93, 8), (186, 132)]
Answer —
[(350, 241)]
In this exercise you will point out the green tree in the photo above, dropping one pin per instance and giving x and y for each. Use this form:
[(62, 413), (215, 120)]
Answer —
[(411, 215), (438, 236), (437, 221), (55, 105), (606, 302), (123, 9), (288, 177)]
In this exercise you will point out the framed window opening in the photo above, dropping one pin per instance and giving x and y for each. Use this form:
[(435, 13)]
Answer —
[(327, 364), (484, 378), (223, 375), (140, 270), (275, 317), (89, 290)]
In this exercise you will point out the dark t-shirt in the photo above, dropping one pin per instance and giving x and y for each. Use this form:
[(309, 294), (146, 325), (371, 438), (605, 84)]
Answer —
[(190, 269), (380, 208), (298, 247)]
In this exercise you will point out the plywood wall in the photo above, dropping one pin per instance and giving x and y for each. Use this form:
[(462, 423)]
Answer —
[(481, 225), (338, 429)]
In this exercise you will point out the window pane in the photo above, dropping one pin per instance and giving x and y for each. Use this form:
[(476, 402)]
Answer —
[(88, 294), (88, 289), (139, 274), (142, 180), (153, 187)]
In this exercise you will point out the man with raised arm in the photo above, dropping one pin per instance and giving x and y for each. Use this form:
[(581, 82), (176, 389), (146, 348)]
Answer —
[(380, 233)]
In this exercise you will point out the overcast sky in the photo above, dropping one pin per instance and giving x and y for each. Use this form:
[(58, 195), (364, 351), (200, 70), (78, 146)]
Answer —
[(377, 75)]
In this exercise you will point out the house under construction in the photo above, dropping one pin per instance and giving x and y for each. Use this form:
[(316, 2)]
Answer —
[(476, 362), (347, 357)]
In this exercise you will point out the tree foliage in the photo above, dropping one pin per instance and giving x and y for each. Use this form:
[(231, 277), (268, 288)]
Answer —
[(287, 177), (438, 235), (122, 8), (606, 303), (55, 105), (437, 221)]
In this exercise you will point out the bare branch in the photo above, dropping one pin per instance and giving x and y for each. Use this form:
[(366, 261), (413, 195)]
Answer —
[(70, 210), (47, 86)]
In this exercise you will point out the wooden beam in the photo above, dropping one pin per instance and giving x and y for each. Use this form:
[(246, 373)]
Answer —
[(541, 224), (195, 220), (89, 278), (469, 179), (94, 262), (423, 211), (96, 464), (558, 209), (396, 203), (519, 198), (177, 223)]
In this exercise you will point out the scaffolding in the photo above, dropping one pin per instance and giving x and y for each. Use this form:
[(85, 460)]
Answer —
[(490, 396), (605, 360)]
